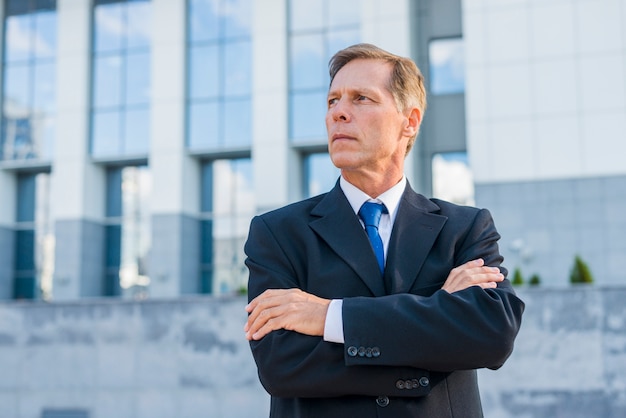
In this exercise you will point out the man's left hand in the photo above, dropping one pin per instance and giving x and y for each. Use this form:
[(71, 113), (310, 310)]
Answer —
[(290, 309)]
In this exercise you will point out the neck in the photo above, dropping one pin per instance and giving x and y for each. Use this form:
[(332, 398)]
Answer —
[(372, 185)]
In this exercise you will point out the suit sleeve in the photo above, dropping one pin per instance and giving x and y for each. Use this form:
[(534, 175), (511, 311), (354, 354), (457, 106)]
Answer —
[(296, 365), (469, 329)]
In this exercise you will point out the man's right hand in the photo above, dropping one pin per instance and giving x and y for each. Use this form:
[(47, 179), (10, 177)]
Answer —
[(472, 273)]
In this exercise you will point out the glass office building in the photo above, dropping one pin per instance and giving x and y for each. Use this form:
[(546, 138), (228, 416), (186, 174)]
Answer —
[(139, 137)]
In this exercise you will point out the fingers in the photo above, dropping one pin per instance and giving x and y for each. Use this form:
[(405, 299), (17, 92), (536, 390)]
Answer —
[(290, 309), (262, 310), (472, 273)]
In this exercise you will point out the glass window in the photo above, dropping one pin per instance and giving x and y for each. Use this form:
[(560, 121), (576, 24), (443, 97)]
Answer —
[(137, 79), (317, 30), (105, 126), (320, 174), (121, 78), (308, 113), (447, 66), (227, 204), (219, 85), (204, 72), (306, 14), (237, 122), (307, 64), (29, 87), (34, 238), (452, 178), (128, 234)]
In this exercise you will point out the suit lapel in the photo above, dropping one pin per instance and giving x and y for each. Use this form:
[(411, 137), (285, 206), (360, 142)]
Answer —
[(414, 233), (335, 222)]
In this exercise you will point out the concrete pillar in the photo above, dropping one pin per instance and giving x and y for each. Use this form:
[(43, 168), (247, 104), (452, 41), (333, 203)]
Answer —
[(77, 196), (175, 254), (272, 156)]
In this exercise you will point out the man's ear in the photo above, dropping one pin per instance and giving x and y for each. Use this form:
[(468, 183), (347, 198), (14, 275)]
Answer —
[(413, 122)]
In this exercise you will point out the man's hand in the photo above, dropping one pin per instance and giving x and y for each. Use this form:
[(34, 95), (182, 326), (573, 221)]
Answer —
[(472, 273), (290, 309)]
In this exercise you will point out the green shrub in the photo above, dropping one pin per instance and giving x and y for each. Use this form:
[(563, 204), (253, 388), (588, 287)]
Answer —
[(534, 280), (580, 272), (518, 279)]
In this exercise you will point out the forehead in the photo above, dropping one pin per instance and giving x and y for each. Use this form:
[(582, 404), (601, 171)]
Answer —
[(363, 73)]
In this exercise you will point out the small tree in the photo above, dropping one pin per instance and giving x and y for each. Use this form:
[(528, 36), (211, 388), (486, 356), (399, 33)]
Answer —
[(580, 272), (518, 279), (534, 280)]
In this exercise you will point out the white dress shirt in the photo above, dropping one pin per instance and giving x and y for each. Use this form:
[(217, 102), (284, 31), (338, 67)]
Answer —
[(333, 328)]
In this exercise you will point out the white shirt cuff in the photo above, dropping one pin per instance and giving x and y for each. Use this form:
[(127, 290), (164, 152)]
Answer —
[(333, 327)]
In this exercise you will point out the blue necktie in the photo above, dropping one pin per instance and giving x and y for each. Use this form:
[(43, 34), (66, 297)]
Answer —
[(370, 214)]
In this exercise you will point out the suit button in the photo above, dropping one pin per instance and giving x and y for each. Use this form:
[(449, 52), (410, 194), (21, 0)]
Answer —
[(382, 401), (424, 381), (400, 384), (375, 351), (415, 383), (352, 351), (361, 351), (368, 352)]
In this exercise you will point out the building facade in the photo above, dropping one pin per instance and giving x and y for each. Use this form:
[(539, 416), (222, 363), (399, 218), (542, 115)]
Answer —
[(140, 136)]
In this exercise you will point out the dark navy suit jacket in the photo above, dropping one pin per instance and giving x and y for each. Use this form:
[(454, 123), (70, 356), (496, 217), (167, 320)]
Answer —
[(411, 349)]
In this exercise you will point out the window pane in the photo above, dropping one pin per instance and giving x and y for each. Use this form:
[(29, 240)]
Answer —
[(307, 67), (343, 13), (203, 20), (17, 90), (139, 24), (320, 173), (108, 27), (107, 81), (452, 178), (203, 72), (447, 66), (106, 133), (308, 113), (17, 138), (237, 123), (18, 38), (339, 39), (137, 131), (236, 18), (45, 35), (136, 235), (137, 78), (203, 126), (34, 251), (44, 98), (238, 67), (230, 183), (306, 14)]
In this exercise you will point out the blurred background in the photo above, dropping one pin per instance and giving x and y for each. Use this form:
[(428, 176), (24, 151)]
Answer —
[(138, 138)]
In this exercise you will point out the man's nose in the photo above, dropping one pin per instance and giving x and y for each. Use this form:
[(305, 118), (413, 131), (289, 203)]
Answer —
[(339, 111)]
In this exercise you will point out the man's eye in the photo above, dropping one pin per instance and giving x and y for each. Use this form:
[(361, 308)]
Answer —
[(361, 98), (332, 101)]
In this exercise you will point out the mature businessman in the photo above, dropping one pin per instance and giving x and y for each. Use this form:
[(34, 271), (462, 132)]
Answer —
[(372, 300)]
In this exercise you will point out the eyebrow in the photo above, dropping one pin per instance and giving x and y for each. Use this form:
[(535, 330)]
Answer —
[(360, 90)]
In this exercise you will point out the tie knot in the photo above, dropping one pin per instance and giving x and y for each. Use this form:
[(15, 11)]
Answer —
[(371, 212)]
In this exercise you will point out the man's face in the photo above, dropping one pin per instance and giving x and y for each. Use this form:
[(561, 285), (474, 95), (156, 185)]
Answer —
[(366, 132)]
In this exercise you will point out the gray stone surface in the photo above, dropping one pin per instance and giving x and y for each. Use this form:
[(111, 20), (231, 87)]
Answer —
[(569, 360), (187, 358)]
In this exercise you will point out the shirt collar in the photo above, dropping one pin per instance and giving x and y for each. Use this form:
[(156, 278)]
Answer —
[(390, 198)]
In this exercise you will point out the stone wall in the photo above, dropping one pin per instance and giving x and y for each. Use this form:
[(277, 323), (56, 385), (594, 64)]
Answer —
[(187, 358)]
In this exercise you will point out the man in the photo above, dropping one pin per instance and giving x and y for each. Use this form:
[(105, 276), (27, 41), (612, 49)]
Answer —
[(331, 334)]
